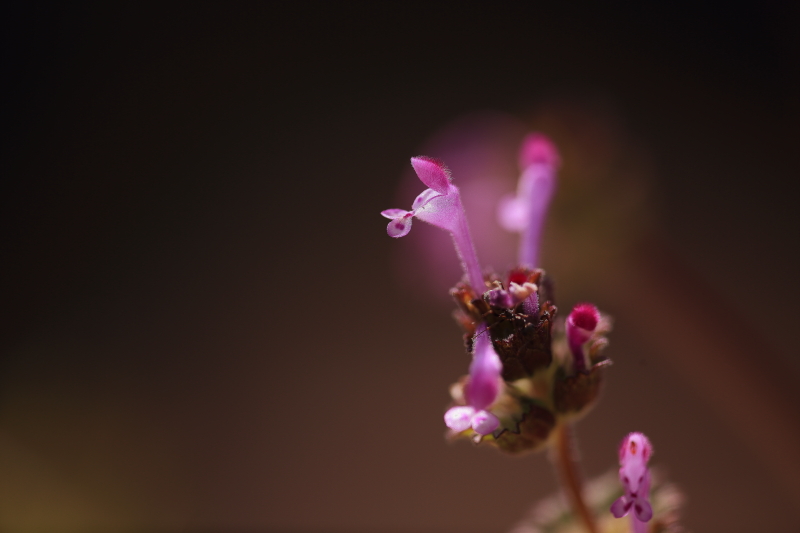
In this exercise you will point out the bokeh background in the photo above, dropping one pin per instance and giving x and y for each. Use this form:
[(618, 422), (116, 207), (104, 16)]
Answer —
[(205, 327)]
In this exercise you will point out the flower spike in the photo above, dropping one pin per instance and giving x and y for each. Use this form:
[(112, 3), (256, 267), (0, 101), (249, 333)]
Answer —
[(525, 212), (481, 391), (634, 453), (439, 205)]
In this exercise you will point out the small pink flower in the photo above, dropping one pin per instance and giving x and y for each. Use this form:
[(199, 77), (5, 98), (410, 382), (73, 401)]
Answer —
[(525, 212), (581, 323), (634, 453), (481, 391), (439, 205)]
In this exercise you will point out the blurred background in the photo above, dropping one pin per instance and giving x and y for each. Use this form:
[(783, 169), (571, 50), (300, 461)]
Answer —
[(206, 328)]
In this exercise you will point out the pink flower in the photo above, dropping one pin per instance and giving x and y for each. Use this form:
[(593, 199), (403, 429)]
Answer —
[(439, 205), (634, 453), (481, 391), (581, 323), (525, 212)]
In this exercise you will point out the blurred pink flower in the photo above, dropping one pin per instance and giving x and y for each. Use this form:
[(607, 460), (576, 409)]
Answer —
[(634, 453), (525, 213)]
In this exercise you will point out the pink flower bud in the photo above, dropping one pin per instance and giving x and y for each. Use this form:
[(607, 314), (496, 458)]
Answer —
[(538, 148), (482, 390), (581, 323)]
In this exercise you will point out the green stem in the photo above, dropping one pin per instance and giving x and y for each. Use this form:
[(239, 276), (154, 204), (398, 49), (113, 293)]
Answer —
[(567, 467)]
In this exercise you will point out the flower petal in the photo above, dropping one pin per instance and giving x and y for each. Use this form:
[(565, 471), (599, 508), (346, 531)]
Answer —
[(394, 213), (484, 422), (643, 509), (432, 173), (399, 227), (441, 210), (424, 197), (459, 418), (484, 382), (621, 507)]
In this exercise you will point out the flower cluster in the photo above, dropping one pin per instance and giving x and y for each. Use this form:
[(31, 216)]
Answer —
[(532, 373), (529, 371)]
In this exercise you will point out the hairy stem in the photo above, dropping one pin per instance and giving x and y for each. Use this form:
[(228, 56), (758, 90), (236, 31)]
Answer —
[(566, 463), (538, 184), (467, 255)]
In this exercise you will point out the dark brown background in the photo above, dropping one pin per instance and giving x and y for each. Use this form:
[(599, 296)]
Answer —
[(201, 329)]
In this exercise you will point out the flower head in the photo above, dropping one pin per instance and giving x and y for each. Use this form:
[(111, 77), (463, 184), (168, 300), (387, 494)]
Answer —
[(525, 212), (439, 205), (481, 391), (634, 453)]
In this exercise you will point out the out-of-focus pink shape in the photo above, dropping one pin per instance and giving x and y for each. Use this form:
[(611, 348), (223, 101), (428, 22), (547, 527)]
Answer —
[(481, 390), (538, 148), (440, 206), (634, 453), (525, 213)]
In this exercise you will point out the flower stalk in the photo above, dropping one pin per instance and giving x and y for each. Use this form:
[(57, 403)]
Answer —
[(564, 457), (533, 373)]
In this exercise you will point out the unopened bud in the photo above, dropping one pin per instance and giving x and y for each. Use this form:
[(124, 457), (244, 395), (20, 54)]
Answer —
[(581, 323)]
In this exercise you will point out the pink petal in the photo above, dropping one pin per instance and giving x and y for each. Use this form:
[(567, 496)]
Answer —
[(441, 210), (399, 227), (459, 418), (425, 196), (643, 509), (394, 213), (432, 173), (484, 422), (620, 507), (484, 373)]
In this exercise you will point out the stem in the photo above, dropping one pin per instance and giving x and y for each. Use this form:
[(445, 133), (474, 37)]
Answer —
[(637, 526), (537, 187), (466, 253), (566, 463)]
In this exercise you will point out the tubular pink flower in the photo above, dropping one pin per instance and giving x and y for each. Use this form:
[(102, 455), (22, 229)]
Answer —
[(525, 212), (634, 453), (481, 391), (581, 323), (439, 205)]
